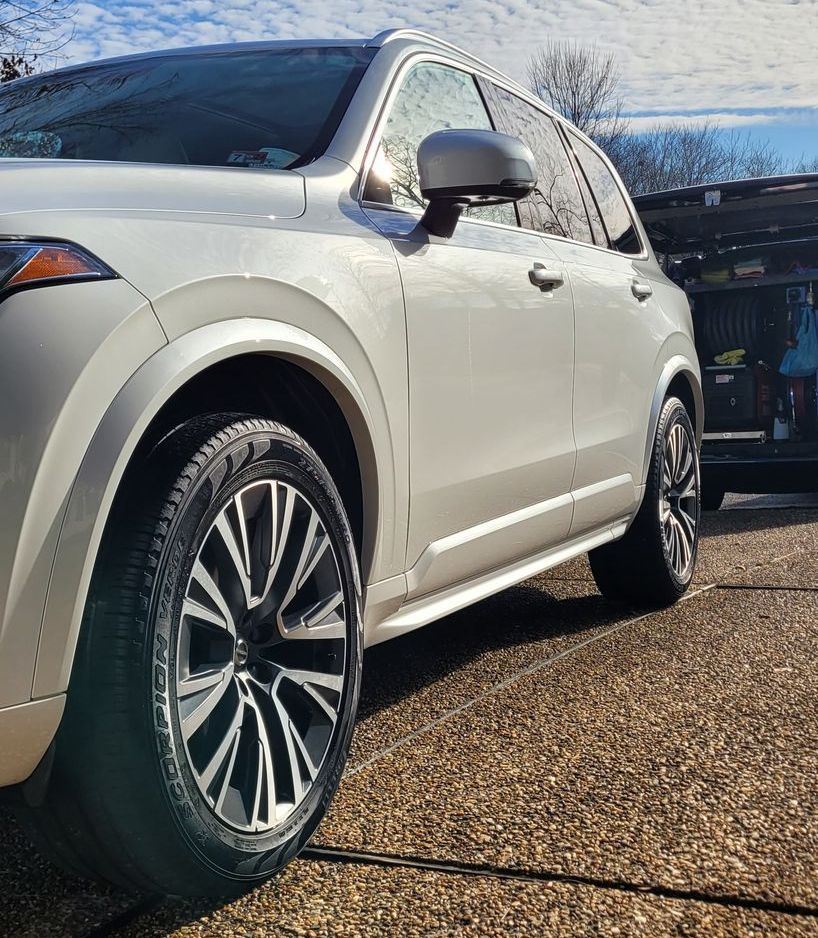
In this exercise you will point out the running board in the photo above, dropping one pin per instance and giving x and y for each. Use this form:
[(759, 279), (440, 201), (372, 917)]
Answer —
[(420, 612)]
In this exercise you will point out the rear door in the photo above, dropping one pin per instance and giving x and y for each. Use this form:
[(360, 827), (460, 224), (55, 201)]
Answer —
[(620, 329), (610, 346), (490, 356), (591, 231)]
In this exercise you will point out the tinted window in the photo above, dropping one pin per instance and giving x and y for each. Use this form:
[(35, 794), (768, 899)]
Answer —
[(556, 206), (611, 202), (272, 109), (433, 97), (594, 217)]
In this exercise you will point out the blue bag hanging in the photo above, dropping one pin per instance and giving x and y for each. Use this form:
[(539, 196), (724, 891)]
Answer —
[(802, 361)]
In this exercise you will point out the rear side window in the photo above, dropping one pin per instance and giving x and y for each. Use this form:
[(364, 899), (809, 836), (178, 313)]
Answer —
[(556, 207), (272, 109), (432, 97), (615, 213)]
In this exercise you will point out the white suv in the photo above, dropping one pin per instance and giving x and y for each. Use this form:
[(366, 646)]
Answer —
[(302, 346)]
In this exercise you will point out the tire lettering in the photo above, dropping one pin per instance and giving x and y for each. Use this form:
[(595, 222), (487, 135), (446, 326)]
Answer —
[(160, 678)]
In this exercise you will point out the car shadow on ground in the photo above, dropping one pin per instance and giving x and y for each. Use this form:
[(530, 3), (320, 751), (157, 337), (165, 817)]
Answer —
[(522, 615)]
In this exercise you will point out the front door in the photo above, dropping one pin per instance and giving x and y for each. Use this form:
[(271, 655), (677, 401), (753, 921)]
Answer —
[(490, 360)]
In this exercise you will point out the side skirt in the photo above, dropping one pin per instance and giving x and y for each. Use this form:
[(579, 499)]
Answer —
[(420, 612)]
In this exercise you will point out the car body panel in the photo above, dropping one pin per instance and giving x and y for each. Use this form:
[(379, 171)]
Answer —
[(25, 733), (65, 352)]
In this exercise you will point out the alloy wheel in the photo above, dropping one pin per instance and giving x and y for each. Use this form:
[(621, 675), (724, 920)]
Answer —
[(261, 655), (679, 502)]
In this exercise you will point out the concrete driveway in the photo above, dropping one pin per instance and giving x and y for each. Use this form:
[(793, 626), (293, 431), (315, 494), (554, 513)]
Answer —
[(548, 763)]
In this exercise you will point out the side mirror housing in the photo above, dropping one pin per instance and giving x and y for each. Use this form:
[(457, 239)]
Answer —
[(460, 168)]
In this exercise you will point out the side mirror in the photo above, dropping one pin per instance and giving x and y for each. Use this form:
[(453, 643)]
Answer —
[(459, 168)]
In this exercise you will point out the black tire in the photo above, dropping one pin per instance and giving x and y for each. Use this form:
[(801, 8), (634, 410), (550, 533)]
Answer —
[(712, 497), (639, 568), (122, 802)]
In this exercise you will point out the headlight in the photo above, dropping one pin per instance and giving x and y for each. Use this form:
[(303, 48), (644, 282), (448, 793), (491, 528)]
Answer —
[(38, 263)]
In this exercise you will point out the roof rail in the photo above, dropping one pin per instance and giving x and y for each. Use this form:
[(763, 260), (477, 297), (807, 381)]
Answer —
[(390, 35)]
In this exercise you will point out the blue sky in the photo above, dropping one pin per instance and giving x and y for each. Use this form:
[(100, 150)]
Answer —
[(750, 64)]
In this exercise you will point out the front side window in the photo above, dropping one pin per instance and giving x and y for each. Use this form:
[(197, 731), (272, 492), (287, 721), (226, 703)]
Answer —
[(274, 109), (432, 97), (615, 213), (556, 205)]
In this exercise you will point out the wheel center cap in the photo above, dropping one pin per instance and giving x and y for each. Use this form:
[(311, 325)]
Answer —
[(241, 654)]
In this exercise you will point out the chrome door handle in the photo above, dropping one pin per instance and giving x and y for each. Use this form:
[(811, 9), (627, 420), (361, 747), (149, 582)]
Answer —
[(545, 278), (641, 290)]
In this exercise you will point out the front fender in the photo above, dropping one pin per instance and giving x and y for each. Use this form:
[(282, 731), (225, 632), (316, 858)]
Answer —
[(125, 423)]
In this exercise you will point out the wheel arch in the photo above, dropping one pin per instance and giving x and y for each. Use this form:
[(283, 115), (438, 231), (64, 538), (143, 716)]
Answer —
[(680, 377), (161, 392)]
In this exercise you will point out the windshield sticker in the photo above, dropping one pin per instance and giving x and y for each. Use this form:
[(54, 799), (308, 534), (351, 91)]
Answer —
[(266, 157)]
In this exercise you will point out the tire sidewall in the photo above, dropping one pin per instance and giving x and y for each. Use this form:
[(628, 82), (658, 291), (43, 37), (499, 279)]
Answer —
[(249, 456)]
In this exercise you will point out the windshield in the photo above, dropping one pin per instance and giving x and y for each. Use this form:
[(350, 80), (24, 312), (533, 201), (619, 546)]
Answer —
[(275, 108)]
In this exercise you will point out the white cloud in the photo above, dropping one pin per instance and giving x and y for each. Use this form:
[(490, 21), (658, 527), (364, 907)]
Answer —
[(725, 120), (749, 54)]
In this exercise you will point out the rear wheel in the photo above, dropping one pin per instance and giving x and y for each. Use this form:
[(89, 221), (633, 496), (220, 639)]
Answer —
[(653, 563), (214, 690)]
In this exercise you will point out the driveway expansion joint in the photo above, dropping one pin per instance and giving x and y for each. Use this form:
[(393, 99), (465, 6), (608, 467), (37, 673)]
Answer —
[(767, 586), (363, 857)]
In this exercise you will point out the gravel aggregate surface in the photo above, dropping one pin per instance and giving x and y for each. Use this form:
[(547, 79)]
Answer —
[(37, 900), (678, 754), (680, 751)]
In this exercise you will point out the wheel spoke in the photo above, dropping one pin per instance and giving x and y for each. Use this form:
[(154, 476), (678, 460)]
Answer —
[(265, 779), (309, 545), (241, 562), (687, 523), (223, 750), (686, 462), (683, 548), (194, 610), (312, 623), (328, 710), (279, 533), (213, 685), (318, 678), (290, 747), (207, 583), (231, 764)]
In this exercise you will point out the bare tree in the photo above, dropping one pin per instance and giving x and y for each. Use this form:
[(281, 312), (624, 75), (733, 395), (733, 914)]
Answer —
[(689, 153), (32, 31), (582, 84)]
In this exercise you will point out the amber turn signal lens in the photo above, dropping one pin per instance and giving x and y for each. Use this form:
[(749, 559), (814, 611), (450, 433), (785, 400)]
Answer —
[(50, 263)]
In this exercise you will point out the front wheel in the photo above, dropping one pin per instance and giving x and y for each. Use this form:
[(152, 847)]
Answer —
[(215, 685), (653, 563)]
